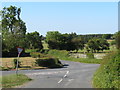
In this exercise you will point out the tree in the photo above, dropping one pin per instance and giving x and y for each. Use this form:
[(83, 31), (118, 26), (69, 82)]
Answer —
[(60, 41), (97, 45), (78, 43), (34, 40), (104, 45), (13, 29), (53, 38), (107, 36)]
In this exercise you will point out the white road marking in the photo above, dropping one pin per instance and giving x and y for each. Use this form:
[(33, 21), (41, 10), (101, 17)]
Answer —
[(63, 77), (60, 81), (67, 72)]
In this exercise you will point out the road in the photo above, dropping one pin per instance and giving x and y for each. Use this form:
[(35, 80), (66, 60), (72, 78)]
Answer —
[(75, 75)]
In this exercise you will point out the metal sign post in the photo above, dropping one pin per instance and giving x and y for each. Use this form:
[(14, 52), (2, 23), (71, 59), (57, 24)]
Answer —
[(19, 52)]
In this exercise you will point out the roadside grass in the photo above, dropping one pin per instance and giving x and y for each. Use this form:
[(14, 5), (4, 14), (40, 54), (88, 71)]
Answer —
[(107, 76), (13, 80), (64, 55)]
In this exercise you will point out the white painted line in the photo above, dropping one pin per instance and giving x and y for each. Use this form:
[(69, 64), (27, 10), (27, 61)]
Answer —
[(67, 72), (60, 80), (65, 76)]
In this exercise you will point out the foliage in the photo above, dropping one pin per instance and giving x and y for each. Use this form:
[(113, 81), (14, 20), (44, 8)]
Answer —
[(57, 40), (5, 68), (13, 30), (90, 55), (64, 55), (108, 76), (107, 36), (78, 43), (87, 37), (49, 62), (14, 33), (97, 44), (34, 40), (31, 50), (113, 42), (14, 80), (117, 39), (15, 63), (36, 55)]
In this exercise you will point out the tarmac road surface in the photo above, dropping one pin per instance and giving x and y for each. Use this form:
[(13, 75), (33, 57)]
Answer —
[(75, 75)]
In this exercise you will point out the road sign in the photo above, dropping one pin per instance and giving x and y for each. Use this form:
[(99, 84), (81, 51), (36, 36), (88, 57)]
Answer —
[(19, 49), (19, 52)]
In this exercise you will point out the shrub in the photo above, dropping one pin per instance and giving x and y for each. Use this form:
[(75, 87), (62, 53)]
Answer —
[(90, 55), (36, 55), (4, 68), (15, 63), (107, 76), (49, 62), (31, 50), (59, 53), (45, 51)]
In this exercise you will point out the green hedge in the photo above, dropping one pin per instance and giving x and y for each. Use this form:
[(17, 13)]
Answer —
[(49, 62), (37, 55), (108, 75)]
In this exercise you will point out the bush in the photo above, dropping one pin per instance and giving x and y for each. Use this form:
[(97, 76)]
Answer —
[(90, 55), (15, 63), (4, 68), (36, 55), (45, 51), (31, 50), (49, 62), (59, 53), (107, 76)]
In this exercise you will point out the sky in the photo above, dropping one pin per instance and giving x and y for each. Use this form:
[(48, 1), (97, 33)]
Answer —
[(67, 17)]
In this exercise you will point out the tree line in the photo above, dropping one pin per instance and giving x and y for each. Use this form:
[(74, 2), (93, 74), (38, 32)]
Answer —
[(72, 41), (14, 34)]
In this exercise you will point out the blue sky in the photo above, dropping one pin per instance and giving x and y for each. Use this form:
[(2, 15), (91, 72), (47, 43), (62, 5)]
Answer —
[(67, 17)]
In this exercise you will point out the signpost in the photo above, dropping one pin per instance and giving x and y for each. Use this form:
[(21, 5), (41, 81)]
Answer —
[(19, 52)]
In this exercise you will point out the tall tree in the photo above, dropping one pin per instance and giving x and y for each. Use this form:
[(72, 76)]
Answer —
[(13, 29)]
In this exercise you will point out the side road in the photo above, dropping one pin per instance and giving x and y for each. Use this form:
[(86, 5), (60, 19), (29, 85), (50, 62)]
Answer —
[(73, 75)]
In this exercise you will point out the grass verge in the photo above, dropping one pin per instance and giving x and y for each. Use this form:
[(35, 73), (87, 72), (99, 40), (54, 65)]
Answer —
[(13, 80), (64, 55), (108, 74)]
